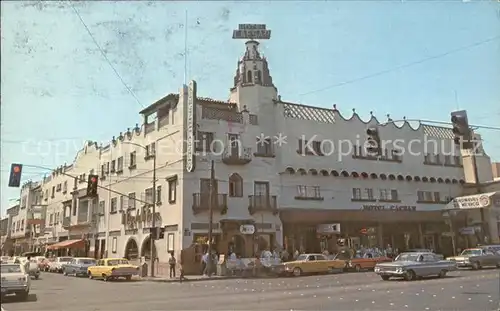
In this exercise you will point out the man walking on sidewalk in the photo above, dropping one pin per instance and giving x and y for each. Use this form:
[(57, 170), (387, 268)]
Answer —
[(171, 263)]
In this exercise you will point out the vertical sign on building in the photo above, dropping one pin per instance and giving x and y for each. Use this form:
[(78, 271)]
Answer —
[(191, 127)]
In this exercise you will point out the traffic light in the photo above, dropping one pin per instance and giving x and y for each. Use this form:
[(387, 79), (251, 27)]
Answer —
[(461, 128), (161, 233), (374, 146), (92, 185), (15, 175)]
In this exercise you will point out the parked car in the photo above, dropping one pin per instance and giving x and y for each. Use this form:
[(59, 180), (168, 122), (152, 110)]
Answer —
[(412, 265), (477, 258), (78, 266), (366, 261), (40, 260), (112, 268), (57, 264), (15, 280), (313, 263)]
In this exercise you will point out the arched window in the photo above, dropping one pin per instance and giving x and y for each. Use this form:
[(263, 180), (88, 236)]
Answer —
[(235, 185), (249, 76), (258, 77)]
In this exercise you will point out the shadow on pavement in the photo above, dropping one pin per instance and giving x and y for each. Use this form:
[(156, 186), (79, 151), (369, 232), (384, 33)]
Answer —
[(14, 299)]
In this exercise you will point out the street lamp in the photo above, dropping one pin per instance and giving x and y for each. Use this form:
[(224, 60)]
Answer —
[(152, 235)]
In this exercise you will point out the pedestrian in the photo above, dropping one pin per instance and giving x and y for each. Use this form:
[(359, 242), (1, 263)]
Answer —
[(204, 263), (181, 271), (172, 264)]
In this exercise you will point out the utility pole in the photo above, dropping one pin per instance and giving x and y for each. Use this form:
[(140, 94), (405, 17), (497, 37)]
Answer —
[(210, 216), (154, 232), (484, 225)]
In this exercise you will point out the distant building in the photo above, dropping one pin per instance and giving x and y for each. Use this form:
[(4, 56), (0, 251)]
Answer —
[(278, 182), (496, 170)]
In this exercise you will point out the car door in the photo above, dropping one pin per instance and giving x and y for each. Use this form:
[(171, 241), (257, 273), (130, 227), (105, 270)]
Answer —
[(430, 265), (310, 264), (489, 258)]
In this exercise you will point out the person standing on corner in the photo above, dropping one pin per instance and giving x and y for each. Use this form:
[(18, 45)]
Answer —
[(172, 263)]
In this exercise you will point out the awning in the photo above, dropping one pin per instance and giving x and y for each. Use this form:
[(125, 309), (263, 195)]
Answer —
[(483, 200), (68, 244)]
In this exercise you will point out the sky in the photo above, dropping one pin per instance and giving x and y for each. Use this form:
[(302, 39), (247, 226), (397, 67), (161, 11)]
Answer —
[(414, 59)]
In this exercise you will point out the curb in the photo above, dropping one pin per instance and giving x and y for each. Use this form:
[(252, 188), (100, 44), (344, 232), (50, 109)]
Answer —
[(217, 278)]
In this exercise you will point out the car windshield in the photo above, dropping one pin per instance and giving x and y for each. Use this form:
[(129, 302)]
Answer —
[(116, 262), (65, 259), (468, 252), (11, 269), (302, 257), (86, 262), (407, 257)]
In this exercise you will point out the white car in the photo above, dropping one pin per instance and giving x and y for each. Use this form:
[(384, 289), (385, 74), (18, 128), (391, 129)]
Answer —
[(57, 264), (15, 280)]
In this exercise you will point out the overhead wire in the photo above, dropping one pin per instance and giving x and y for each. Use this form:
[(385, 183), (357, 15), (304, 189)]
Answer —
[(414, 63)]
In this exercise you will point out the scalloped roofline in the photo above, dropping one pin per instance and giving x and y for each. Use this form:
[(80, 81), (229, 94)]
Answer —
[(355, 116)]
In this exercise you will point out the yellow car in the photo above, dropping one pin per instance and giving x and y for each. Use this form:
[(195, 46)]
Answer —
[(313, 263), (112, 269)]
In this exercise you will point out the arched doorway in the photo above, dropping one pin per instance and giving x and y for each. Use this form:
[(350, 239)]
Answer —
[(131, 250), (237, 245), (146, 249)]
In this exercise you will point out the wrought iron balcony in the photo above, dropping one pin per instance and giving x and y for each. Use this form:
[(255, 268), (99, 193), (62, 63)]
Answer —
[(201, 202), (262, 203), (237, 156)]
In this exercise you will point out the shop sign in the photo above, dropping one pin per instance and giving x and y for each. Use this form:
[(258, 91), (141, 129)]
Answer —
[(472, 201), (247, 229), (396, 208), (468, 231), (191, 127), (328, 228)]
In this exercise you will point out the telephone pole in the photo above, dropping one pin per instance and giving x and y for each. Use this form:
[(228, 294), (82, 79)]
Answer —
[(210, 215)]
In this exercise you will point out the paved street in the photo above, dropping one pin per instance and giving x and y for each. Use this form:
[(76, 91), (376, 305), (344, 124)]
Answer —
[(463, 290)]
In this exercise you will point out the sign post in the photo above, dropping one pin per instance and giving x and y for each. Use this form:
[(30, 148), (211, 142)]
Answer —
[(252, 32)]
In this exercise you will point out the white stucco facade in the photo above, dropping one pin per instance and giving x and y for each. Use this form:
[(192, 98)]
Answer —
[(269, 186)]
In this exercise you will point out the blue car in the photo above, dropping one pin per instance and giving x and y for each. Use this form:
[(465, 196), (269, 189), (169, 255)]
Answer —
[(78, 266)]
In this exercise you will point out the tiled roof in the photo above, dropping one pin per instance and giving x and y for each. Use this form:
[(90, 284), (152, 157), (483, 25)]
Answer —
[(296, 111), (438, 131)]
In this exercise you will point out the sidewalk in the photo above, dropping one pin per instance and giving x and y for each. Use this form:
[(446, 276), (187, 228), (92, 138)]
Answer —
[(190, 278)]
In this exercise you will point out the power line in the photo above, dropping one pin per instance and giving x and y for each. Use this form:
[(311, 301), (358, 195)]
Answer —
[(376, 74), (104, 55)]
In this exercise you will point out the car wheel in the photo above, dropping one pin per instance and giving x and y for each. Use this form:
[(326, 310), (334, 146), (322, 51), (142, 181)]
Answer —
[(410, 275), (65, 273), (128, 277), (105, 278), (297, 271), (358, 268), (476, 266), (498, 265), (442, 274), (37, 276), (385, 277), (90, 276)]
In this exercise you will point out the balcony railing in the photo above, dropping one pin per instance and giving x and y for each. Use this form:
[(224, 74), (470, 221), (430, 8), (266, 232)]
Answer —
[(201, 202), (237, 156), (262, 203)]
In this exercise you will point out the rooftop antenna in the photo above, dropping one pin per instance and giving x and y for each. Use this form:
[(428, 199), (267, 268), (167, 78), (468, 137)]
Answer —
[(185, 48), (456, 100)]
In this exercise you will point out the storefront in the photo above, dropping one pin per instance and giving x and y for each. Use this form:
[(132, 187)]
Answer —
[(482, 214), (402, 227)]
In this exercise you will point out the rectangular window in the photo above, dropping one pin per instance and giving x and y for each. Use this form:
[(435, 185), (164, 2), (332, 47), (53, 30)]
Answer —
[(133, 159), (356, 193), (172, 191), (420, 196), (65, 187), (428, 196), (264, 147), (394, 195), (119, 165), (131, 200), (158, 195), (53, 192), (437, 197), (113, 166), (122, 202), (114, 205), (369, 193), (261, 188), (204, 141), (384, 194), (148, 194)]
